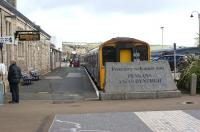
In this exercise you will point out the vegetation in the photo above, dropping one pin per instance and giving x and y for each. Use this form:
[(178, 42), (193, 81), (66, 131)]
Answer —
[(186, 73)]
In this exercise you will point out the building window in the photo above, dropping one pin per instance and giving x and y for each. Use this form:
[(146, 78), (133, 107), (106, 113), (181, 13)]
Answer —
[(20, 49), (8, 28)]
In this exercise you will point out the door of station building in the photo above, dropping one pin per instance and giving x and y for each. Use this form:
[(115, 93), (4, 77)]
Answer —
[(125, 55)]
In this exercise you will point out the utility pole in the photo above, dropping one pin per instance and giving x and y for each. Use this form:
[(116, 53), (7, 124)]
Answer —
[(162, 28)]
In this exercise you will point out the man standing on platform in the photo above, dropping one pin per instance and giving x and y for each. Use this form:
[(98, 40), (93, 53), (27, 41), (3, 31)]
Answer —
[(14, 75)]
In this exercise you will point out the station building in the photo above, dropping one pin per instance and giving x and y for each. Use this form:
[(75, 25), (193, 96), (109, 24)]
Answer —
[(29, 54)]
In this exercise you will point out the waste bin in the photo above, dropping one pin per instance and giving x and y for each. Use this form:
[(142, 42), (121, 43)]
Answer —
[(1, 93)]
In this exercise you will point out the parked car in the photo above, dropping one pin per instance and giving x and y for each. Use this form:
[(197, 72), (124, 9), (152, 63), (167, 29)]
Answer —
[(181, 61)]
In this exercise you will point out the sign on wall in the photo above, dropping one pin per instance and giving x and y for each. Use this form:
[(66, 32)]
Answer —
[(27, 35), (7, 40)]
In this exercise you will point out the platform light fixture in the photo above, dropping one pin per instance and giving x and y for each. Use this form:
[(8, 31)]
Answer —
[(199, 22)]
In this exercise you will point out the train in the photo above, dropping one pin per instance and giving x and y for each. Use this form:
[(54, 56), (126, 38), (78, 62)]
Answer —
[(120, 49)]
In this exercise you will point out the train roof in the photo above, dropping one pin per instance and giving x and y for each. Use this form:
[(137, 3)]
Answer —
[(123, 39)]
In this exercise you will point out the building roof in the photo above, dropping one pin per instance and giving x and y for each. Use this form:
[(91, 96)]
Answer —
[(12, 9), (124, 39)]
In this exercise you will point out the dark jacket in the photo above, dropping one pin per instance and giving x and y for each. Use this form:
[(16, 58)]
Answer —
[(14, 74)]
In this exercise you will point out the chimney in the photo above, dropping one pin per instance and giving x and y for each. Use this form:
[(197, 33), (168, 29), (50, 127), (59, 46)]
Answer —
[(13, 2)]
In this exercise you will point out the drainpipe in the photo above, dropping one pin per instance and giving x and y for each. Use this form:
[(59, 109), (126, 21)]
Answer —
[(1, 44), (2, 85)]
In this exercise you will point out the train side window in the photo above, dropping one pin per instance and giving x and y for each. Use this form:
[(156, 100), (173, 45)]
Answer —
[(143, 51), (109, 54)]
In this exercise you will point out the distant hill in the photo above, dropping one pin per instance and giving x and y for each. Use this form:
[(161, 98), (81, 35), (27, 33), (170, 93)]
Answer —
[(77, 47), (160, 47), (90, 46)]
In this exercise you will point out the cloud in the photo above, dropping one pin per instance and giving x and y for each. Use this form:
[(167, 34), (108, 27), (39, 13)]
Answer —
[(109, 6), (100, 20)]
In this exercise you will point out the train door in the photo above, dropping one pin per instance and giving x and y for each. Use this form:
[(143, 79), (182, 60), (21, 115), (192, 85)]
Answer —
[(108, 54), (125, 55)]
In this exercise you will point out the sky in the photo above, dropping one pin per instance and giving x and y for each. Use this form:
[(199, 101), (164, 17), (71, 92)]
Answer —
[(101, 20)]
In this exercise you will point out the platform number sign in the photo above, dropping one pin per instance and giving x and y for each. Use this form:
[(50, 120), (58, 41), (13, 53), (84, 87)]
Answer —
[(7, 40)]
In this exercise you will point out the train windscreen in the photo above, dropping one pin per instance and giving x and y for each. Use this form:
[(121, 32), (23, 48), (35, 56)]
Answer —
[(108, 54)]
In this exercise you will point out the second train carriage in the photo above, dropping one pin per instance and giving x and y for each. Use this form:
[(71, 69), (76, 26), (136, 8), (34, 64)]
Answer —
[(120, 49)]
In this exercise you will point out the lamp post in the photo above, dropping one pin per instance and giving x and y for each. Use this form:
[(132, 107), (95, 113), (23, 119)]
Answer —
[(162, 28), (199, 22)]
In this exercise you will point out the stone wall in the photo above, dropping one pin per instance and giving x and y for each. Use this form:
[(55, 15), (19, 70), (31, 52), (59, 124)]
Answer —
[(28, 54), (55, 59), (139, 80)]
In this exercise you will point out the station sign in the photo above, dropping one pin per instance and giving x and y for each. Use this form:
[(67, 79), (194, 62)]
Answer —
[(27, 35), (7, 40)]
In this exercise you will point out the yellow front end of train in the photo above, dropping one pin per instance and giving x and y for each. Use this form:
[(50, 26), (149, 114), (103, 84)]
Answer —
[(120, 49)]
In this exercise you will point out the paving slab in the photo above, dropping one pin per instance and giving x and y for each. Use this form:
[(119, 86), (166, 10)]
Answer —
[(145, 121)]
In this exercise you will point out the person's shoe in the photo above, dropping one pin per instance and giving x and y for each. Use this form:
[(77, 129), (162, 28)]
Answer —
[(11, 102)]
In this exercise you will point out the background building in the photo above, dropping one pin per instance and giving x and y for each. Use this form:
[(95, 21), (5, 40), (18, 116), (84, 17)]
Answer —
[(79, 48), (55, 57)]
